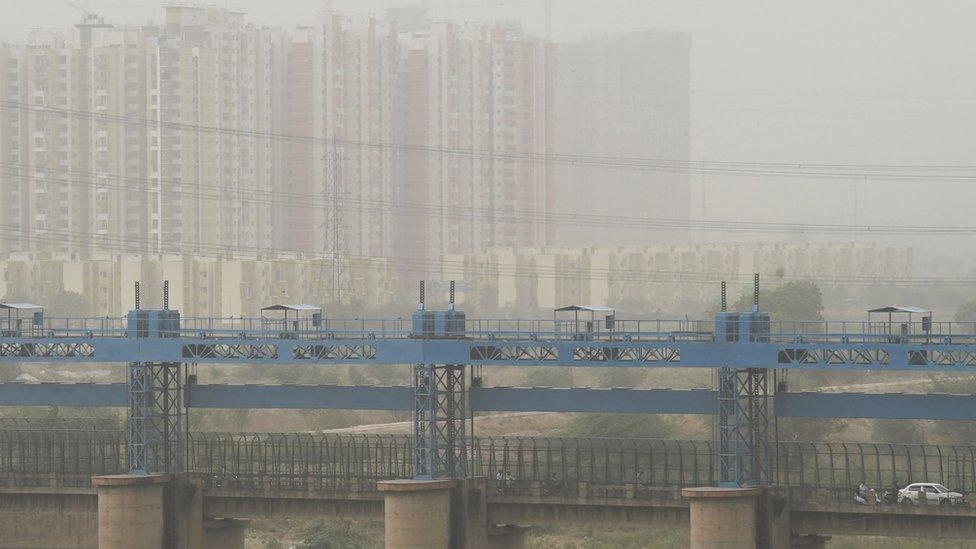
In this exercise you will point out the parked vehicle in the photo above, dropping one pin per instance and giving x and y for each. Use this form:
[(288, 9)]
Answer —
[(889, 497), (863, 495), (934, 494)]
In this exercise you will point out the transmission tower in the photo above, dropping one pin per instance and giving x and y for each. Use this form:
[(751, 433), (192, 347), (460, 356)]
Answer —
[(336, 248)]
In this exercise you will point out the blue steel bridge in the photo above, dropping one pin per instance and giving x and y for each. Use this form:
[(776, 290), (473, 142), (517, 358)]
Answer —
[(750, 353)]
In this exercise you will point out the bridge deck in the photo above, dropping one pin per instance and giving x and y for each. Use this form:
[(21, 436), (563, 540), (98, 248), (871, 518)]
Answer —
[(671, 343)]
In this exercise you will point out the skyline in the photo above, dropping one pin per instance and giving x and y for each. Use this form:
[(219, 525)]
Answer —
[(872, 82)]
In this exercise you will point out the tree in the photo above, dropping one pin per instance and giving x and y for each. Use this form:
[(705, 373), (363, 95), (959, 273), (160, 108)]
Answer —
[(336, 535), (790, 301), (66, 304), (61, 304), (966, 312)]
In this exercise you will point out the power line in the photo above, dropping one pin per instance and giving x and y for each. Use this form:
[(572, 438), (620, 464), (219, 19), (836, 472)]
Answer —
[(318, 202), (744, 168), (125, 245), (830, 95)]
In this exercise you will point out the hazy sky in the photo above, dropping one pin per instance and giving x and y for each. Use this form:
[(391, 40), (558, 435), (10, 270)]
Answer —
[(876, 81)]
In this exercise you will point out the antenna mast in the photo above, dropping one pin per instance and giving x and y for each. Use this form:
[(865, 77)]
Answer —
[(336, 244)]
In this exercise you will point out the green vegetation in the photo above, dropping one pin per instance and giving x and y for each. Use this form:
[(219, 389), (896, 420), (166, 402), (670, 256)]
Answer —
[(335, 534), (966, 312), (622, 425), (865, 542), (61, 304), (115, 415), (596, 538), (790, 301), (897, 430), (342, 534)]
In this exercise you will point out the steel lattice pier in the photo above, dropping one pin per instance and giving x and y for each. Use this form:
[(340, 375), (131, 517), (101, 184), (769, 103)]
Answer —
[(156, 441), (440, 409), (743, 426)]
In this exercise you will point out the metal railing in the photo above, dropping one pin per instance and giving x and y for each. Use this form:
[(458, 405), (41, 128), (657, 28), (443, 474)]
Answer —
[(829, 470), (656, 330), (64, 457), (299, 461), (518, 466)]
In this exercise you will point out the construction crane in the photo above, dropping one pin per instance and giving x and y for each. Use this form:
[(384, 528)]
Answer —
[(547, 4), (90, 16), (79, 7)]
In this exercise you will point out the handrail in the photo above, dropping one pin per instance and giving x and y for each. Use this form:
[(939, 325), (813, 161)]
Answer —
[(641, 330), (318, 461)]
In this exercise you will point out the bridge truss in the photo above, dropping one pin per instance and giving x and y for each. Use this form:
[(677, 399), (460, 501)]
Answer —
[(741, 347), (440, 410)]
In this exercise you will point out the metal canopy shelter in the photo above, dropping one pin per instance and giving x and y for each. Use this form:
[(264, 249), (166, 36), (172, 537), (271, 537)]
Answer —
[(20, 306), (303, 317), (593, 310), (15, 316), (299, 307), (891, 309), (905, 328)]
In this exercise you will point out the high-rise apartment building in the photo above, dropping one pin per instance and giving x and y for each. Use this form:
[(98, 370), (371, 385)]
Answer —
[(410, 142), (622, 98), (13, 233), (144, 139), (478, 122), (298, 226), (217, 96), (37, 74), (344, 84), (352, 137), (343, 90)]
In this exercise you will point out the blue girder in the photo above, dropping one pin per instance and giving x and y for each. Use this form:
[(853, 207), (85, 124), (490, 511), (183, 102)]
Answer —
[(505, 399), (908, 356), (734, 343)]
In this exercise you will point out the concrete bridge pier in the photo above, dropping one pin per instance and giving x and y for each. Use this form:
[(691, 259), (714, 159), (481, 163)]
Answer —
[(725, 518), (156, 511), (441, 514), (131, 511), (743, 518)]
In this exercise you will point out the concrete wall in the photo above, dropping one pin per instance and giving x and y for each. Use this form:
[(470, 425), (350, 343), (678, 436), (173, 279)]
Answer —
[(38, 520), (131, 516), (722, 518), (418, 517), (41, 517)]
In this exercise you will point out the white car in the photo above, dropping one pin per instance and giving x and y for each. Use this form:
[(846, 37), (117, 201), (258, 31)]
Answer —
[(935, 494)]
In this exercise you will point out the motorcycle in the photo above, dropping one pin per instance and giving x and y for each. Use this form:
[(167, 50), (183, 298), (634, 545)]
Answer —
[(863, 493)]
